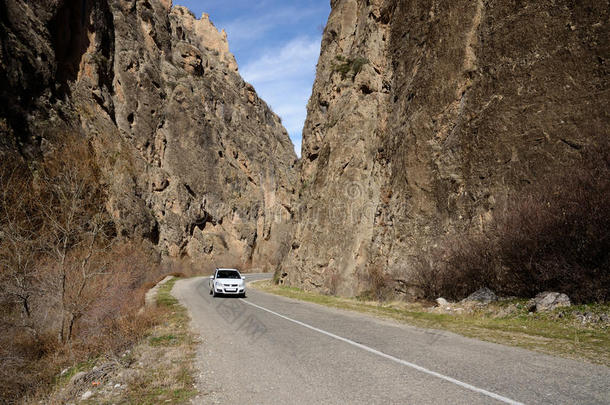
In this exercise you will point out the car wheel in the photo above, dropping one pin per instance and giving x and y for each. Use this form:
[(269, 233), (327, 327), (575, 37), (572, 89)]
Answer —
[(210, 292), (214, 294)]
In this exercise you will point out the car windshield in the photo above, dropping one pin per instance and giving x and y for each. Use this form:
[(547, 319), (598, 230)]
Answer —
[(227, 274)]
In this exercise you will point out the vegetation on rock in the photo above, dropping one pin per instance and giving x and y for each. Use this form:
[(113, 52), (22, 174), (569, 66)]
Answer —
[(349, 66)]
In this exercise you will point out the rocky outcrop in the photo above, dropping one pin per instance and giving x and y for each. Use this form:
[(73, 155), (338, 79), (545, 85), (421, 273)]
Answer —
[(548, 301), (193, 159), (426, 115)]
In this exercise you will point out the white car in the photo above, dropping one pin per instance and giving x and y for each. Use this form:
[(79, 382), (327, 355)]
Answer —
[(227, 281)]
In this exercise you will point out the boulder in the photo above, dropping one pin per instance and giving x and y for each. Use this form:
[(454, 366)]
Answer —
[(442, 302), (547, 301), (484, 295)]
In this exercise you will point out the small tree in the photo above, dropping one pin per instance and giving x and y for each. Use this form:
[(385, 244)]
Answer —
[(77, 228), (19, 243), (67, 283)]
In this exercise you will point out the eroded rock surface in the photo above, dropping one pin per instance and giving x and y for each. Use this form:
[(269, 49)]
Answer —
[(426, 115), (193, 159)]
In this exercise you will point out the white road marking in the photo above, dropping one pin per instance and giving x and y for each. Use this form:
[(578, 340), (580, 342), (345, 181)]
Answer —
[(395, 359)]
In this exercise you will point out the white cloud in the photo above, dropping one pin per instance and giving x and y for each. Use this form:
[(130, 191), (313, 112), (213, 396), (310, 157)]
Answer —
[(294, 59), (244, 30), (283, 77)]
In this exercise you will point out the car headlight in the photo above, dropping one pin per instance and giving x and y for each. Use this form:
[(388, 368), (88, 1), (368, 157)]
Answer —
[(217, 284)]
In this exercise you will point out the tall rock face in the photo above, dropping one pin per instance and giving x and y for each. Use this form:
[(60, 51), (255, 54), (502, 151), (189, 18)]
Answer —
[(426, 115), (193, 159)]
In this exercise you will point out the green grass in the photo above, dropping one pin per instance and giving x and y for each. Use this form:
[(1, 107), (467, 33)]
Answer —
[(556, 332), (62, 379), (179, 316), (349, 66), (164, 340), (164, 295)]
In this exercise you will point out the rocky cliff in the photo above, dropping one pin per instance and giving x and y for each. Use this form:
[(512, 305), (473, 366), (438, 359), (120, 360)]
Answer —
[(192, 158), (426, 115)]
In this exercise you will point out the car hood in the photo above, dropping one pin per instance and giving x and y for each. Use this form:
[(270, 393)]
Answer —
[(229, 280)]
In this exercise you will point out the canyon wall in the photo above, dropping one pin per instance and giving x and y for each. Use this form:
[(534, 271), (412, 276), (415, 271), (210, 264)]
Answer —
[(426, 115), (193, 159)]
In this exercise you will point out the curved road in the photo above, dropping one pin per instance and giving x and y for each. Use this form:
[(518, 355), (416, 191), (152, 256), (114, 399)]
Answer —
[(267, 349)]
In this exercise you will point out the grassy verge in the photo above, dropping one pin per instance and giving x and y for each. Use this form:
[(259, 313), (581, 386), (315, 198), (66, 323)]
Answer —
[(559, 332), (166, 355)]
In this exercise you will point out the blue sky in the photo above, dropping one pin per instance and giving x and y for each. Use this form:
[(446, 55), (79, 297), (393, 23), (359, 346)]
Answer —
[(276, 44)]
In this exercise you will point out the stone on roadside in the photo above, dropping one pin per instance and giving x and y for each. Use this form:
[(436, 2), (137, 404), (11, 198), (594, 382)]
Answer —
[(442, 302), (547, 301), (484, 295)]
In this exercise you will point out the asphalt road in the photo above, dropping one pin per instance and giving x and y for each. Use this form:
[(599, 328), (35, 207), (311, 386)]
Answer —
[(267, 349)]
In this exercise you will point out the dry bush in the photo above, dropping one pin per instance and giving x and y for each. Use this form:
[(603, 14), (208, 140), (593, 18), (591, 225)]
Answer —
[(21, 339), (554, 237), (77, 232), (380, 284), (69, 288), (28, 363), (111, 322), (185, 267), (332, 280), (427, 277), (20, 245)]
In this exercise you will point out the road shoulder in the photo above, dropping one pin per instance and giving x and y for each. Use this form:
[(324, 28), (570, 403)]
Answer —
[(551, 333)]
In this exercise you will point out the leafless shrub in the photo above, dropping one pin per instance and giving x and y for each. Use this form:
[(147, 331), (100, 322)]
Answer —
[(187, 267), (332, 281), (69, 288), (551, 237), (427, 277), (381, 284), (20, 246)]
